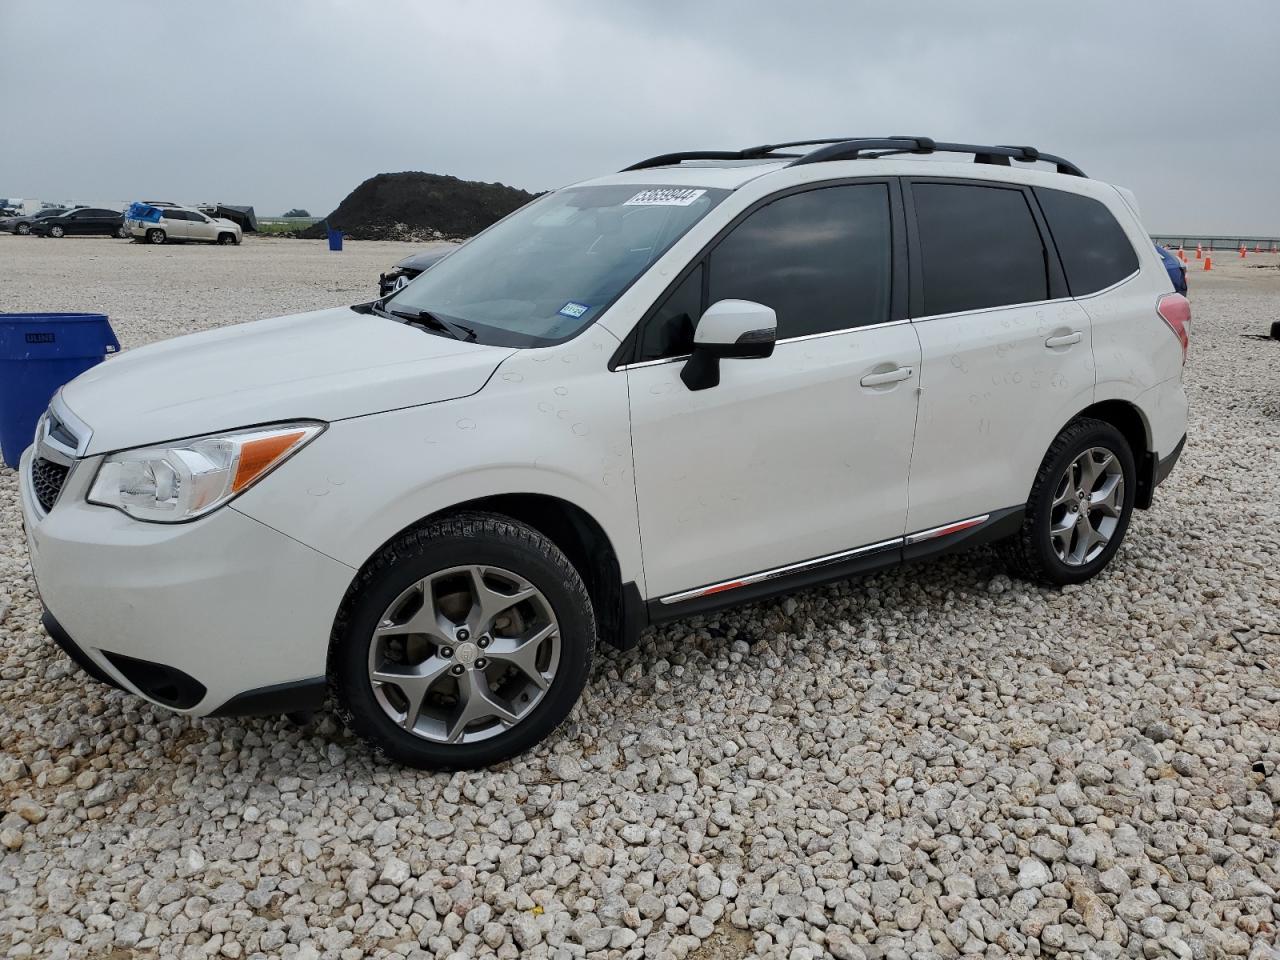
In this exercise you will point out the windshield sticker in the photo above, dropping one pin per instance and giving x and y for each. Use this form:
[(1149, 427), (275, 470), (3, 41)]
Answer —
[(573, 310), (665, 197)]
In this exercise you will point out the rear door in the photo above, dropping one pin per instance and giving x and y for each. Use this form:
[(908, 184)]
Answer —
[(100, 221), (1006, 353), (175, 225), (799, 456)]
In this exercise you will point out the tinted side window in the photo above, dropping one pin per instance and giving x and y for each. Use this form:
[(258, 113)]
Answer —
[(174, 215), (980, 247), (820, 258), (669, 331), (1094, 249)]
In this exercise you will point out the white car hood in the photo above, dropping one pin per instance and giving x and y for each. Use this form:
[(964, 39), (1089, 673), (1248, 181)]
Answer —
[(327, 365)]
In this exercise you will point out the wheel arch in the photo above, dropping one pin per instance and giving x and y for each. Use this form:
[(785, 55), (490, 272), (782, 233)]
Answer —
[(618, 606), (1133, 426)]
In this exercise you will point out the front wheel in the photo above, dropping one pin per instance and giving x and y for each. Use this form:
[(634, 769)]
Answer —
[(24, 229), (56, 231), (464, 642), (1079, 507), (156, 236), (225, 238), (121, 233)]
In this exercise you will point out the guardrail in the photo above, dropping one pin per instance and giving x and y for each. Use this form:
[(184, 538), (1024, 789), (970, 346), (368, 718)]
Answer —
[(1188, 241)]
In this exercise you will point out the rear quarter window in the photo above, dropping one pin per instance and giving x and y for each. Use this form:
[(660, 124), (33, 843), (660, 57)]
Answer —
[(1094, 249)]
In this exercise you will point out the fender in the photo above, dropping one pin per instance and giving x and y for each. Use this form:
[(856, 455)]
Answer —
[(530, 430)]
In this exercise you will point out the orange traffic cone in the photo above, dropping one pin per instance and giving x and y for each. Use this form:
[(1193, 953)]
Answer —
[(1242, 251), (1208, 263), (1199, 252)]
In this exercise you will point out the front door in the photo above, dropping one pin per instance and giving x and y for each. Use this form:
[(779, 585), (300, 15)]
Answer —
[(201, 227), (803, 454)]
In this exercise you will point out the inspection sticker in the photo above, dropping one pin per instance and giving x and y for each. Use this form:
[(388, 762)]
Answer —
[(573, 310), (665, 197)]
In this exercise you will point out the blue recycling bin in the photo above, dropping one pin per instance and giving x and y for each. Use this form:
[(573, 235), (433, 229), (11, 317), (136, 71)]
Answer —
[(335, 239), (39, 352)]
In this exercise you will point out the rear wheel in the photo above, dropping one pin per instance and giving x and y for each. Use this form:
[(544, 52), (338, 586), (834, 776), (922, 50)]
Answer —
[(121, 233), (1079, 507), (463, 643), (155, 235)]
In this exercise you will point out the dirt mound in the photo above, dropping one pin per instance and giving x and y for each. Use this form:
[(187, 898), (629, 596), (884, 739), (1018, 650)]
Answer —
[(420, 206)]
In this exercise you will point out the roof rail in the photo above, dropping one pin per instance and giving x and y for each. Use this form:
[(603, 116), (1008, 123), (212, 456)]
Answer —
[(855, 148)]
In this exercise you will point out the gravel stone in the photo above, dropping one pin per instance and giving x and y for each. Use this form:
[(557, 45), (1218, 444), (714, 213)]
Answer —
[(925, 763)]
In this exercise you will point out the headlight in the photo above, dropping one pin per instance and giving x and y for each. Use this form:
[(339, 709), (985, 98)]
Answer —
[(170, 484)]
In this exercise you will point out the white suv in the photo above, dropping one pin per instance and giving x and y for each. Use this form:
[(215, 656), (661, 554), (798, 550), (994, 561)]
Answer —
[(183, 223), (709, 378)]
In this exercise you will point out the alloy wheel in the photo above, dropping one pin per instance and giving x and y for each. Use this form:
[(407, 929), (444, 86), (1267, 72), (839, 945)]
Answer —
[(1087, 504), (464, 654)]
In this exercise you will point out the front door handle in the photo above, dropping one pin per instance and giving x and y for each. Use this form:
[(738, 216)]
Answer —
[(1065, 340), (891, 376)]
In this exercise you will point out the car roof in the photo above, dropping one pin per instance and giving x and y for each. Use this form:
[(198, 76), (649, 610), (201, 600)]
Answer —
[(830, 158), (731, 175)]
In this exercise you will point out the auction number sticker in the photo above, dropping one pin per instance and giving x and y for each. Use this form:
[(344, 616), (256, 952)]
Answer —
[(573, 310), (665, 197)]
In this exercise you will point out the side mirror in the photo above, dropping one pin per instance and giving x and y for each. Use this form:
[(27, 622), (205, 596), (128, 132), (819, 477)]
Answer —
[(729, 330)]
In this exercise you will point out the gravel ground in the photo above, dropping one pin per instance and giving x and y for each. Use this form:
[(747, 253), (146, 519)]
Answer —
[(924, 763)]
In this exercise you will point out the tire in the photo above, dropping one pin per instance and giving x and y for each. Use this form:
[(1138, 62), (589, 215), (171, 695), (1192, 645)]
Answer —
[(224, 239), (57, 232), (121, 233), (1073, 555), (507, 557), (156, 235), (23, 229)]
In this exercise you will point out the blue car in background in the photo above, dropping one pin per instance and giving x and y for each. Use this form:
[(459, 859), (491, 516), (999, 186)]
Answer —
[(1177, 269)]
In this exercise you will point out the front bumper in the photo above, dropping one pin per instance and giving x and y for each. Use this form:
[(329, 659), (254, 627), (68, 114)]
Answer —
[(226, 602)]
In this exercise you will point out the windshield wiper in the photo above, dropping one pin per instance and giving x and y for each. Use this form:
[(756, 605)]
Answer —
[(431, 321)]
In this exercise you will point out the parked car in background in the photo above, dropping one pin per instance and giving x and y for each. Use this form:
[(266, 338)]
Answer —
[(22, 224), (161, 224), (87, 221), (1176, 268), (407, 269)]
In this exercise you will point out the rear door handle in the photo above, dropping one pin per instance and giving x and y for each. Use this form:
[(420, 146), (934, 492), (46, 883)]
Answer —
[(1065, 340), (891, 376)]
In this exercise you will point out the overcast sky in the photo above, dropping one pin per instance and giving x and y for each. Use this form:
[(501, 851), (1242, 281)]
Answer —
[(291, 103)]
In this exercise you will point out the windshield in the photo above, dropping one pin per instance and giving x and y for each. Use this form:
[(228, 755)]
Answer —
[(553, 267)]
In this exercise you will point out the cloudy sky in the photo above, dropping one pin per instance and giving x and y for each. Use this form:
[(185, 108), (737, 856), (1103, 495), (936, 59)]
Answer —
[(290, 103)]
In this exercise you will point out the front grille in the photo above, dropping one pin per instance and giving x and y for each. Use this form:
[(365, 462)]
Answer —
[(47, 479)]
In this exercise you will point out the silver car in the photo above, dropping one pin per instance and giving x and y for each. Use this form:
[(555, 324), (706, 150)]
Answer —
[(184, 224)]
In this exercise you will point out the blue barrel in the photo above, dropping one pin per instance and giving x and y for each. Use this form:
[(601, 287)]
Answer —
[(335, 239), (39, 352)]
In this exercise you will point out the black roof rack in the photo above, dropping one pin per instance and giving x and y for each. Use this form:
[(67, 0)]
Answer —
[(855, 148)]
